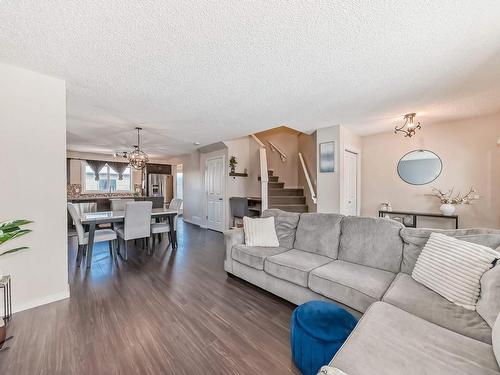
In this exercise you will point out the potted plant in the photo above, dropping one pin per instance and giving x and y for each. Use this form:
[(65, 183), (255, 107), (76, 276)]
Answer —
[(232, 163), (448, 200), (8, 231)]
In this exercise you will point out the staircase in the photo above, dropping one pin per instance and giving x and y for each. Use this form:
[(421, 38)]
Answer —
[(292, 200)]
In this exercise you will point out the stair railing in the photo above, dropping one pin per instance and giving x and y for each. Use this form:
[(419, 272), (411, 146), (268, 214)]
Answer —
[(308, 179), (275, 148), (264, 174)]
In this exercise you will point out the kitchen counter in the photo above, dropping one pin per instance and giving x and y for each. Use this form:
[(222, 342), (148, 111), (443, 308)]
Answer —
[(103, 203)]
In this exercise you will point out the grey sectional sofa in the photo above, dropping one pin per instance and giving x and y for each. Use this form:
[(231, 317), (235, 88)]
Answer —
[(365, 265)]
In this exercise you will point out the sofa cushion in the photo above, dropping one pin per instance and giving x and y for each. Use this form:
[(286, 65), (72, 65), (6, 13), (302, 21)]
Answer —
[(417, 299), (488, 305), (319, 233), (415, 239), (286, 225), (372, 242), (294, 265), (495, 338), (352, 284), (391, 341), (254, 256)]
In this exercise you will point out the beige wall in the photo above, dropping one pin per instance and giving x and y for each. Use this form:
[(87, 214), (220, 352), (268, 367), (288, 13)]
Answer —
[(470, 156), (286, 139), (33, 186)]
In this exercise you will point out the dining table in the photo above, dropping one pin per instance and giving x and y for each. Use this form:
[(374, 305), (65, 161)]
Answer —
[(92, 219)]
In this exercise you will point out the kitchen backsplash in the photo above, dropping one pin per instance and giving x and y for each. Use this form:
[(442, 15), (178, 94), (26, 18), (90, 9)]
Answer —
[(75, 191)]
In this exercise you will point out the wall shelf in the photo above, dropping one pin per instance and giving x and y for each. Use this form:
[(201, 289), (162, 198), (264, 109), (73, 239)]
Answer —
[(236, 174)]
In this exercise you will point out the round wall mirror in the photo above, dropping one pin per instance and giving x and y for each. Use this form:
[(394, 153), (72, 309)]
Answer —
[(419, 167)]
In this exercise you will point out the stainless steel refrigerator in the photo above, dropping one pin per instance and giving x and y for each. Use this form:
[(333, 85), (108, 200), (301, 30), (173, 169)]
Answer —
[(159, 185)]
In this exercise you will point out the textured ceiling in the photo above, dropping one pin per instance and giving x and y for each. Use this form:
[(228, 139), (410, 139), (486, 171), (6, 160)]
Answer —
[(204, 71)]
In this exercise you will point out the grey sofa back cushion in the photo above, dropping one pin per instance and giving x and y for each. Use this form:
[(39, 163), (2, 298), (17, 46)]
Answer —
[(286, 225), (416, 238), (488, 305), (319, 233), (372, 242)]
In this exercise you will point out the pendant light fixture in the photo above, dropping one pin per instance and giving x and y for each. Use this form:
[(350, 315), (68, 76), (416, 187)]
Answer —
[(409, 126), (138, 158)]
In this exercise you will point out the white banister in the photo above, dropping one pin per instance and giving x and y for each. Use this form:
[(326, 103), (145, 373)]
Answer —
[(264, 173), (308, 179), (276, 148), (259, 142), (264, 179)]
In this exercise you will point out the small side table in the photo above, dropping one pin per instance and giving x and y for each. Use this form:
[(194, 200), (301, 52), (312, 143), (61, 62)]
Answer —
[(6, 286)]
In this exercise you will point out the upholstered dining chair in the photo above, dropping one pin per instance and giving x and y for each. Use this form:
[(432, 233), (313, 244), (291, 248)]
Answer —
[(101, 235), (159, 228), (137, 224), (119, 204)]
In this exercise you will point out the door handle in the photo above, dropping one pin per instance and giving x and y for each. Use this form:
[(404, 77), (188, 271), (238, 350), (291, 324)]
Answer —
[(220, 199)]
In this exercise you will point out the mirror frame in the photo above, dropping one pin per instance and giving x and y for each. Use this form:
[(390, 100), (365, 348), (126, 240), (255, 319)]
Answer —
[(419, 149)]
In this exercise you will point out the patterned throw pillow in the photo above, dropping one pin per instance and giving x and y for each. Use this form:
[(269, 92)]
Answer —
[(453, 268)]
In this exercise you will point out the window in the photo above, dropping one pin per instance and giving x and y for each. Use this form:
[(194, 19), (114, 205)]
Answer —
[(108, 180)]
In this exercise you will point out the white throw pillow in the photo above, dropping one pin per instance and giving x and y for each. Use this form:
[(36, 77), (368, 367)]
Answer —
[(453, 268), (260, 232)]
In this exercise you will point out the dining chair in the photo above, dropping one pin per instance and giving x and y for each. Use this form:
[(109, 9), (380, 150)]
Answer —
[(159, 228), (119, 204), (101, 235), (137, 224)]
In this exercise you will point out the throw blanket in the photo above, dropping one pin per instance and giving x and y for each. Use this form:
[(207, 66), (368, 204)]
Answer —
[(327, 370)]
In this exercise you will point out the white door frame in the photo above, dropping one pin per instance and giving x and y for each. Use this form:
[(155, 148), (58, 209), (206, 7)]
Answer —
[(357, 151), (224, 191)]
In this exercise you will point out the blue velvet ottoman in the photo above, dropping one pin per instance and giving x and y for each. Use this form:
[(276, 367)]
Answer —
[(317, 330)]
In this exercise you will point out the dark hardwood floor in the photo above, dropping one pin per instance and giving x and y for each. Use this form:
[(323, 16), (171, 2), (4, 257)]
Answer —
[(174, 313)]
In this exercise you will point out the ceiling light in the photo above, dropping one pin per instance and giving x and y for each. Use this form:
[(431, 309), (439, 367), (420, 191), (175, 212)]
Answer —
[(138, 158), (409, 123)]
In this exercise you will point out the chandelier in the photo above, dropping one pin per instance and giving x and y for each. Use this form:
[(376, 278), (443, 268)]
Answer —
[(409, 124), (137, 158)]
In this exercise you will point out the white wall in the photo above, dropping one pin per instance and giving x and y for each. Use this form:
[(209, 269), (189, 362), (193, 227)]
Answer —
[(193, 186), (242, 148), (33, 186), (331, 185)]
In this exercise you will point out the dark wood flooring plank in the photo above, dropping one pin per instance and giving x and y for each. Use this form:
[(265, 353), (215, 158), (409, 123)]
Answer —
[(173, 313)]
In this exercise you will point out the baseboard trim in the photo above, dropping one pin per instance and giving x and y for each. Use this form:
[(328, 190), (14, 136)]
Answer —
[(190, 221), (42, 301)]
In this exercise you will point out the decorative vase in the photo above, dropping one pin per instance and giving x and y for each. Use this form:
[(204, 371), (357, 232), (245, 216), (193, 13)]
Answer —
[(447, 209), (233, 169)]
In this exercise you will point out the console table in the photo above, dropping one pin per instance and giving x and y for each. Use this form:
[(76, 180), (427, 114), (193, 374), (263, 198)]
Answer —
[(415, 215)]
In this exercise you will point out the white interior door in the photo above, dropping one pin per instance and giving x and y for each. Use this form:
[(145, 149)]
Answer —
[(351, 183), (215, 193)]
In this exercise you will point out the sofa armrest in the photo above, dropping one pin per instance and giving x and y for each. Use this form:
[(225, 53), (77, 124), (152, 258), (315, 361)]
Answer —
[(232, 237)]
